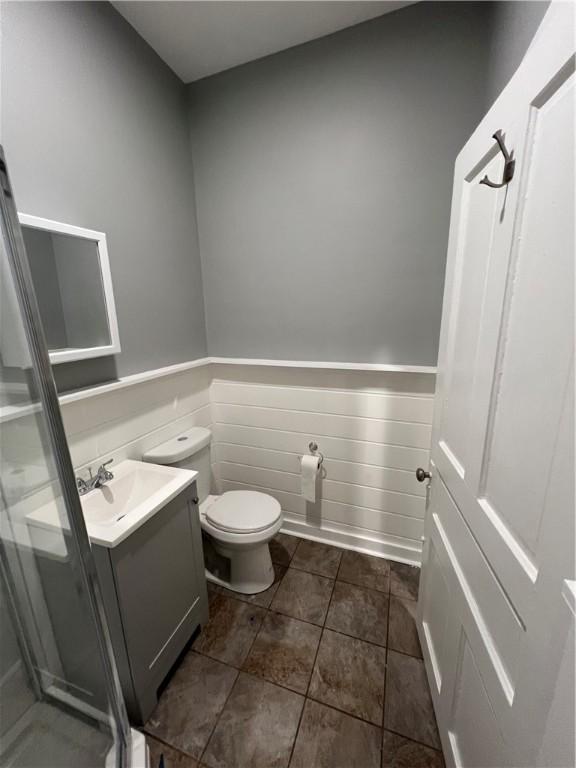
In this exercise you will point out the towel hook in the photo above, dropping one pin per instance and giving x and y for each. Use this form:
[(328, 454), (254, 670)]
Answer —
[(509, 164)]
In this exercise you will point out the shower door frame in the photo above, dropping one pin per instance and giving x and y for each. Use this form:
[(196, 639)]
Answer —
[(48, 399)]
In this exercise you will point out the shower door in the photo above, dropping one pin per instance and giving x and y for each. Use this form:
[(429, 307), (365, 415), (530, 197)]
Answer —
[(60, 699)]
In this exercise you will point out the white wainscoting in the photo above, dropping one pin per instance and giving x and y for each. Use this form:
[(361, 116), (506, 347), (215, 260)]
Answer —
[(124, 423), (372, 427)]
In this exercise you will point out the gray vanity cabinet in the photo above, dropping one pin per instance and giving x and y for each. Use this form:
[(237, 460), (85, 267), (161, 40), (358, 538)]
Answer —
[(155, 596)]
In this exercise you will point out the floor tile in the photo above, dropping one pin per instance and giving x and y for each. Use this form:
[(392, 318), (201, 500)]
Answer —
[(303, 596), (284, 651), (315, 557), (331, 739), (257, 727), (349, 675), (212, 590), (402, 632), (172, 758), (282, 547), (262, 599), (229, 633), (365, 570), (398, 752), (359, 612), (404, 580), (189, 707), (409, 708)]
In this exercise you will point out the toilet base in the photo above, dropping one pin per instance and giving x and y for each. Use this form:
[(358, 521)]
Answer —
[(251, 570)]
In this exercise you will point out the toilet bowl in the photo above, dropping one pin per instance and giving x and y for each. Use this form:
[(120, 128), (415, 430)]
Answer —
[(240, 525), (236, 525)]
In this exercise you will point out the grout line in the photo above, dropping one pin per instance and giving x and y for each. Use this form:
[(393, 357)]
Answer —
[(199, 760), (312, 573), (165, 743), (387, 650), (421, 743), (219, 716), (322, 626), (238, 671), (306, 697), (349, 714)]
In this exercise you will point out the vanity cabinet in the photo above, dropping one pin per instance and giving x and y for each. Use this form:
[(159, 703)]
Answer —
[(154, 591)]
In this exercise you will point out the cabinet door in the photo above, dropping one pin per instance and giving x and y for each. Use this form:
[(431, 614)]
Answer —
[(158, 590)]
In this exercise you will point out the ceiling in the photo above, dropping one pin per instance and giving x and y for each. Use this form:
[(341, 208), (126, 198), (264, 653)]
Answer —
[(200, 38)]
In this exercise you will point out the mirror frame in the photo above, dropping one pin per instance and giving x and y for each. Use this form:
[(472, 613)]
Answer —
[(69, 355)]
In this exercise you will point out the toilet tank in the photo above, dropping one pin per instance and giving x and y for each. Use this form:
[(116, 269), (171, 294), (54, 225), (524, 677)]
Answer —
[(189, 450)]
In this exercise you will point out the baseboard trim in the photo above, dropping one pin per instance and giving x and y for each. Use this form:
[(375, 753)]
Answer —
[(355, 539)]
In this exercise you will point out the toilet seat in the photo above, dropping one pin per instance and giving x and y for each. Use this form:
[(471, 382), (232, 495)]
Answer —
[(243, 512)]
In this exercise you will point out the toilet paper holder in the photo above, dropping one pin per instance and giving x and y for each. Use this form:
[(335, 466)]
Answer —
[(313, 448)]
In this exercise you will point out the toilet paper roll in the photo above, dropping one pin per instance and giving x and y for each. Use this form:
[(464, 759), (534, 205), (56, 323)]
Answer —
[(309, 471)]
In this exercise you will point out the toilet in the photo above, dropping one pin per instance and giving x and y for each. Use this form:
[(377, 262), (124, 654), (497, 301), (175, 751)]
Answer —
[(236, 526)]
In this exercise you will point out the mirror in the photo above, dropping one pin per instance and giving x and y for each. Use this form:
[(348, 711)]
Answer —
[(71, 276)]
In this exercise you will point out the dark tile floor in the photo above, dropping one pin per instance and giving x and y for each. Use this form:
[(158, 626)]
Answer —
[(323, 670)]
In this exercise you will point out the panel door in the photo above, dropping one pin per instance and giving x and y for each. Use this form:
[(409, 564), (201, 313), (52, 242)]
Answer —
[(499, 535)]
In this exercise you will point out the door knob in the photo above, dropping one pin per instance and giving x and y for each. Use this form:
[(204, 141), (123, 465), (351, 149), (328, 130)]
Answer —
[(422, 475)]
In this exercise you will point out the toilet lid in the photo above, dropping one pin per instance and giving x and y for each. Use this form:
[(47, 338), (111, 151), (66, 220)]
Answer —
[(243, 512)]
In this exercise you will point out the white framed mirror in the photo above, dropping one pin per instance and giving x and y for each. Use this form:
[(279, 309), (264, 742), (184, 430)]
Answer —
[(71, 275)]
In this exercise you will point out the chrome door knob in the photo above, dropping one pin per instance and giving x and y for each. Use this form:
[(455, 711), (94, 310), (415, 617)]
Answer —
[(422, 475)]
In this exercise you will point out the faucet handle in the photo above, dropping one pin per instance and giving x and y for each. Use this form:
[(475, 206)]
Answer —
[(103, 471), (81, 485)]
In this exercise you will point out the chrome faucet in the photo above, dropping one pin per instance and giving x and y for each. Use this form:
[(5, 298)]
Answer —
[(94, 481)]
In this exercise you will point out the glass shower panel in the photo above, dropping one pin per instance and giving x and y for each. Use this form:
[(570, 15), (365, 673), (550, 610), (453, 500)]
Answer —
[(59, 694)]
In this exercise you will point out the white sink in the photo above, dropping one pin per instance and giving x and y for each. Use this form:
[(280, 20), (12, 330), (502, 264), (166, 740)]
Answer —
[(123, 504)]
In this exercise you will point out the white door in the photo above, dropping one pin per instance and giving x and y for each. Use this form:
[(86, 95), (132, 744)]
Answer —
[(494, 608)]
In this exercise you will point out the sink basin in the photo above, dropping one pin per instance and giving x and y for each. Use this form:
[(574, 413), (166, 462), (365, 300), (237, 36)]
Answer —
[(118, 508)]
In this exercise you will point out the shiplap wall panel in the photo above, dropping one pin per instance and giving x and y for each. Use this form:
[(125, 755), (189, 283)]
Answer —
[(377, 454), (126, 423), (362, 404), (404, 433), (373, 438), (355, 473), (334, 512), (182, 392), (373, 428), (334, 490)]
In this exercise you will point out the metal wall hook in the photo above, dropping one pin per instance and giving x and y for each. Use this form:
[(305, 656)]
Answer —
[(509, 164)]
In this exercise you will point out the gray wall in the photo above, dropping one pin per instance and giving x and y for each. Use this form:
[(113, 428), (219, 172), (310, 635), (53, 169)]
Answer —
[(514, 24), (323, 176), (95, 132), (323, 182)]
